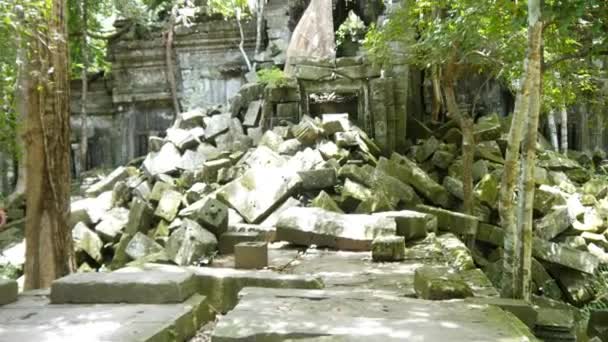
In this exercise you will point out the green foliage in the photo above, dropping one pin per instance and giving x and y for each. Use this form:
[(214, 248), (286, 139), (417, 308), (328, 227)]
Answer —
[(491, 36), (229, 8), (273, 77), (352, 29), (97, 12)]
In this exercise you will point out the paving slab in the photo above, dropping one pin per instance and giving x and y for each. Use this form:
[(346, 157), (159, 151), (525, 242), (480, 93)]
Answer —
[(222, 285), (359, 315), (33, 319), (153, 287)]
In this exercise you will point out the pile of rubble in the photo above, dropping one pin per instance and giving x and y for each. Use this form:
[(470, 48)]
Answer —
[(217, 179)]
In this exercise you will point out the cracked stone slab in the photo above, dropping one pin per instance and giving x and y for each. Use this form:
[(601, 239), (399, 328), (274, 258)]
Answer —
[(360, 315), (32, 319), (152, 287)]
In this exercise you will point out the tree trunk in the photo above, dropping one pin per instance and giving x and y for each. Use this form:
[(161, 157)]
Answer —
[(49, 249), (260, 29), (468, 138), (170, 64), (242, 42), (22, 109), (85, 84), (564, 114), (518, 229), (553, 130)]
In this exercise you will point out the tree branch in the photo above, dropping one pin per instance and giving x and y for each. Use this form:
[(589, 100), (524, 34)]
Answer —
[(585, 52)]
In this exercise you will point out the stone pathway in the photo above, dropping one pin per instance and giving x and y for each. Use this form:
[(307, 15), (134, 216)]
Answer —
[(310, 295)]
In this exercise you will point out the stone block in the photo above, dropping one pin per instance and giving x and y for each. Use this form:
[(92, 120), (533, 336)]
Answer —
[(222, 285), (439, 283), (318, 179), (409, 173), (307, 132), (9, 291), (217, 124), (271, 140), (87, 241), (443, 159), (252, 116), (181, 138), (140, 217), (487, 128), (397, 192), (255, 194), (288, 111), (454, 222), (565, 256), (326, 202), (456, 253), (251, 255), (107, 183), (152, 287), (289, 147), (412, 224), (168, 205), (112, 224), (314, 226), (141, 246), (388, 248), (263, 231), (335, 123), (165, 161), (427, 149), (228, 240), (213, 216), (523, 310), (190, 243)]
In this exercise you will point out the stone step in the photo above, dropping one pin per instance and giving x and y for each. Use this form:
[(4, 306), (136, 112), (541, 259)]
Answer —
[(33, 319), (151, 287), (8, 291), (362, 315)]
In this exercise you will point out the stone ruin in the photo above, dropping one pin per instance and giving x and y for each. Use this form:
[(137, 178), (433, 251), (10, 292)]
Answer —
[(320, 163)]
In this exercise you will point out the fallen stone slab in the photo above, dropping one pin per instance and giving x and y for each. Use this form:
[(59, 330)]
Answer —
[(388, 248), (181, 138), (264, 232), (107, 183), (190, 243), (222, 285), (565, 256), (359, 315), (255, 194), (456, 252), (168, 205), (409, 173), (151, 287), (212, 215), (318, 179), (141, 245), (228, 240), (8, 291), (112, 224), (553, 224), (164, 161), (140, 217), (326, 202), (314, 226), (454, 222), (217, 124), (412, 224), (440, 283), (87, 241), (523, 310), (41, 321)]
